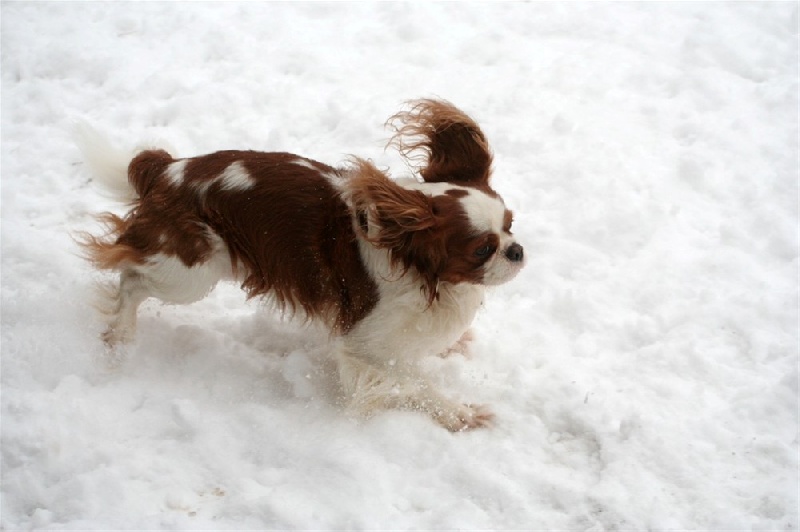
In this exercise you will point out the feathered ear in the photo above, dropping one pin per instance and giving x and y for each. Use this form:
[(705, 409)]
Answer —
[(453, 147), (399, 220), (387, 212)]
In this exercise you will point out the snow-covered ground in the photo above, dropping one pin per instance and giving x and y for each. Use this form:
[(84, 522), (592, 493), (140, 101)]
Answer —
[(643, 367)]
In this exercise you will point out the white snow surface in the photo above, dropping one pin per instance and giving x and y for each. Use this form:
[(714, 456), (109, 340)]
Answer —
[(643, 366)]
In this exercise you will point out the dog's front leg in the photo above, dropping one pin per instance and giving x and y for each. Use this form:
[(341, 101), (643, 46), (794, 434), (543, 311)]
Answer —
[(369, 388)]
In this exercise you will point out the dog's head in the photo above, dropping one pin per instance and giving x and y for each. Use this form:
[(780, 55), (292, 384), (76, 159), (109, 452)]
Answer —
[(451, 227)]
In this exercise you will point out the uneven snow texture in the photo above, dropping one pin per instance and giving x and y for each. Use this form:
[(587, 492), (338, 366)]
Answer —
[(643, 367)]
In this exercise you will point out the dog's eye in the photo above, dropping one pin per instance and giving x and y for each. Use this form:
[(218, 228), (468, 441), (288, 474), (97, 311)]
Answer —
[(484, 251)]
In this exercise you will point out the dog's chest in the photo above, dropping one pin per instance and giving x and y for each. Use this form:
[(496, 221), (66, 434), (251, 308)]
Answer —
[(438, 327), (405, 327), (452, 313)]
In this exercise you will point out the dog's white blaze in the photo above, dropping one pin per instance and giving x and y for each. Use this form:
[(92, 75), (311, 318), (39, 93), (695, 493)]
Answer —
[(488, 214), (236, 177), (485, 213), (176, 172)]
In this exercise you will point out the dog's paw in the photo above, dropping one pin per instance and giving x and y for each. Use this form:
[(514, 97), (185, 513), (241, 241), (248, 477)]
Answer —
[(467, 417), (111, 358), (112, 337), (461, 346), (115, 343)]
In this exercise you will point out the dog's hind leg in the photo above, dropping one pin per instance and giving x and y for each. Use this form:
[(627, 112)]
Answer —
[(121, 304), (165, 278)]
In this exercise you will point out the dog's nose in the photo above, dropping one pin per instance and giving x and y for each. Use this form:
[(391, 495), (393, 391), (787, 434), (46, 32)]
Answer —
[(514, 252)]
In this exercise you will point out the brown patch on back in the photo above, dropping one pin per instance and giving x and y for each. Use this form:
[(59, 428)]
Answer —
[(294, 236)]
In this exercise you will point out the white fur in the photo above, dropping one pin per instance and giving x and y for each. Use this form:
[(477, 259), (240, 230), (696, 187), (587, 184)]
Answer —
[(485, 213), (171, 281), (378, 357), (402, 327), (331, 176), (304, 163), (107, 164), (236, 177), (176, 172)]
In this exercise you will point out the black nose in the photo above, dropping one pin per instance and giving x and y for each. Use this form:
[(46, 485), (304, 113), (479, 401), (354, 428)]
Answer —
[(514, 253)]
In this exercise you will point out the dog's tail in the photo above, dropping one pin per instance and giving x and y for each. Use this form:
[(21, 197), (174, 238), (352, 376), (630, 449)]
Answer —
[(125, 174), (107, 164)]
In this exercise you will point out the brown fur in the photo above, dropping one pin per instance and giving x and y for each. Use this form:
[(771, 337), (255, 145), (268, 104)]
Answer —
[(146, 168), (453, 147), (308, 262), (432, 235), (103, 252)]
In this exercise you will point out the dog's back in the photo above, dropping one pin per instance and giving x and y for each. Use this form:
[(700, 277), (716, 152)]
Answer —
[(234, 214)]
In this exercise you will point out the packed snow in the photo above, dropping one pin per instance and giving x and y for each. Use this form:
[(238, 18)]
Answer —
[(643, 366)]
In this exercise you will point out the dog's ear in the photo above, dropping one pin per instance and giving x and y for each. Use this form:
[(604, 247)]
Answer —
[(450, 144), (387, 213), (400, 220)]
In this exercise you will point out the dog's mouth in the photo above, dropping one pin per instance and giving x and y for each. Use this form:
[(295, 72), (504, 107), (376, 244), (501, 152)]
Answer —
[(505, 266)]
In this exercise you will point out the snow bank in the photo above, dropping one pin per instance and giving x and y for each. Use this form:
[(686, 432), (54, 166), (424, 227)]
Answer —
[(643, 367)]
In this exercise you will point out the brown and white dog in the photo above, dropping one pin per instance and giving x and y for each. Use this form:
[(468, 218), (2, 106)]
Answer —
[(395, 269)]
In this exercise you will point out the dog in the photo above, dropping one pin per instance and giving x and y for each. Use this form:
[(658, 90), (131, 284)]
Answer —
[(394, 269)]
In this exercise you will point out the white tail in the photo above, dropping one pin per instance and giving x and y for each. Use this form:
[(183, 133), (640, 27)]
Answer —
[(107, 164)]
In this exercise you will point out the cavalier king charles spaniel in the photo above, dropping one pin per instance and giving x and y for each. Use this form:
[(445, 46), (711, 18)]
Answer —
[(394, 269)]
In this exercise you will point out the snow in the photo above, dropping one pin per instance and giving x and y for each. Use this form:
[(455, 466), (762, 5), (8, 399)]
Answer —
[(643, 367)]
